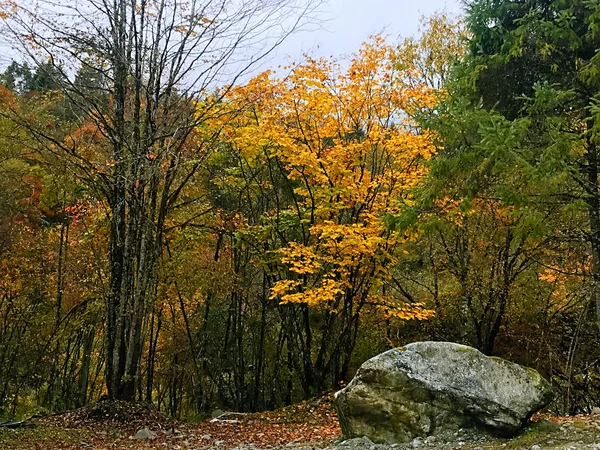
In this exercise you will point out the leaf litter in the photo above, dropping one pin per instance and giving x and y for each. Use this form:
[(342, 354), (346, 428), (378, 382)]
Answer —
[(114, 424)]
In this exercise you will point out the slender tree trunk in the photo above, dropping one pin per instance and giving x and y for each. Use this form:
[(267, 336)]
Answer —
[(593, 202), (86, 361), (64, 237), (261, 343)]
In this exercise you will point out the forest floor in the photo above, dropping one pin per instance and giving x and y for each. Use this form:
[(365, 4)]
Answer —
[(309, 425)]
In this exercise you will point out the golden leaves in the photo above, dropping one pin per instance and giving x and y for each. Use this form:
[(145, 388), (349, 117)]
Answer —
[(301, 259), (346, 142), (403, 311)]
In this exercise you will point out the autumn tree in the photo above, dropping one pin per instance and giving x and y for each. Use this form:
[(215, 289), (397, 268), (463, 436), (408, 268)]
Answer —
[(511, 191), (49, 288), (154, 64), (342, 144), (429, 58), (544, 54)]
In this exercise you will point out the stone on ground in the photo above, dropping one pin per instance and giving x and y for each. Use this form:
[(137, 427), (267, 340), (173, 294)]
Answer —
[(145, 433), (435, 388)]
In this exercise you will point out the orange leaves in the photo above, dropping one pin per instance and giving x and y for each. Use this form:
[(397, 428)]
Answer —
[(88, 141), (7, 9), (563, 282), (548, 276), (7, 99), (87, 130), (83, 209), (449, 208), (352, 154)]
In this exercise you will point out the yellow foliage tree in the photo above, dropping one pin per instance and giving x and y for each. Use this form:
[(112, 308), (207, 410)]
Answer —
[(429, 59), (345, 140)]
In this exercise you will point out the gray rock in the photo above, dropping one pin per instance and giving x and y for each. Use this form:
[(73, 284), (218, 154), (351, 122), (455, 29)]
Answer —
[(437, 388), (357, 443), (431, 441), (417, 443), (145, 433)]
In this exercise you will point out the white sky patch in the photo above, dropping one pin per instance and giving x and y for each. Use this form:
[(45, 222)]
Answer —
[(340, 28), (349, 23)]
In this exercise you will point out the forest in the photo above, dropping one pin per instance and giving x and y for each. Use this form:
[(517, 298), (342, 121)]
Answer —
[(180, 229)]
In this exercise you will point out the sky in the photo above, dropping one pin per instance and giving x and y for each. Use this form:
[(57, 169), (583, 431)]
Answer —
[(350, 22), (342, 26)]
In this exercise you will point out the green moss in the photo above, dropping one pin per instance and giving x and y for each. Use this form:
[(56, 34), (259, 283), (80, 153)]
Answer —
[(534, 433), (532, 372), (544, 426), (530, 436)]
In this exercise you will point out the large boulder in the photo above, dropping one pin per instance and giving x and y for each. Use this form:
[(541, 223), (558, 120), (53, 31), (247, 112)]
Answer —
[(429, 388)]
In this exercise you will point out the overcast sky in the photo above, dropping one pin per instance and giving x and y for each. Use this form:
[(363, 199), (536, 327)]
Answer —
[(351, 22), (343, 26)]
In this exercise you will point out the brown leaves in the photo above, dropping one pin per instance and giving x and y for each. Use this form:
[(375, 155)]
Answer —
[(309, 422)]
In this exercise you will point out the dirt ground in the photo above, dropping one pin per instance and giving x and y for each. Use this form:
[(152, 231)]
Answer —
[(309, 425)]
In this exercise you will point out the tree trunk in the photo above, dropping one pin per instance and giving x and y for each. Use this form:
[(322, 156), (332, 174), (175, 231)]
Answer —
[(593, 202)]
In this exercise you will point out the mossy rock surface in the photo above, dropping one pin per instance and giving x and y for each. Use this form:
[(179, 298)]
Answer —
[(429, 388)]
